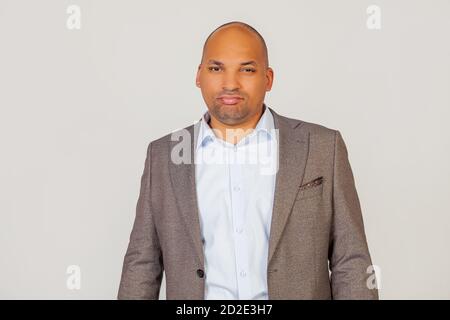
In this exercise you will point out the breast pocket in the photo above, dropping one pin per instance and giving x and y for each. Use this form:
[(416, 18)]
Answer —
[(311, 189)]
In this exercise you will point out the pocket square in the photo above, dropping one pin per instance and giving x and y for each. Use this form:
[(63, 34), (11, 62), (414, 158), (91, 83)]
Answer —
[(312, 183)]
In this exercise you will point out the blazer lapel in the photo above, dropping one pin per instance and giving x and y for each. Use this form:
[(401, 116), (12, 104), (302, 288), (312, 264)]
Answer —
[(293, 146), (183, 183)]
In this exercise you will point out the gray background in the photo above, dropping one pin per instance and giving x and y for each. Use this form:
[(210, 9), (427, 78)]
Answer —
[(79, 107)]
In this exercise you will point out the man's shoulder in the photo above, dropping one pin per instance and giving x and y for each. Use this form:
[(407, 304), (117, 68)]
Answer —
[(315, 129), (176, 135), (322, 139)]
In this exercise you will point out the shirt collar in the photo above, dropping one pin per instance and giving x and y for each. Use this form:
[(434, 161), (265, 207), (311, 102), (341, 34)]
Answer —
[(265, 125)]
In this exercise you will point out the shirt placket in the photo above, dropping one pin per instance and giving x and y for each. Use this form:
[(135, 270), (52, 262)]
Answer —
[(241, 244)]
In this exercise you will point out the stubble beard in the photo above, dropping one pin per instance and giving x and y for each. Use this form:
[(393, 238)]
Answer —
[(231, 114)]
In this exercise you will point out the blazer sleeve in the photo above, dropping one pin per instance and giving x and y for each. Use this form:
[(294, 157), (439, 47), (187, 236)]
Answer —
[(349, 256), (142, 267)]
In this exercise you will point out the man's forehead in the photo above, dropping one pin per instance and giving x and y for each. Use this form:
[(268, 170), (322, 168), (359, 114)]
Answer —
[(233, 51)]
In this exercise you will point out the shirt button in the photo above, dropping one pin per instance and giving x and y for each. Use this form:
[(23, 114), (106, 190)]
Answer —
[(239, 230), (200, 273), (236, 188), (243, 274)]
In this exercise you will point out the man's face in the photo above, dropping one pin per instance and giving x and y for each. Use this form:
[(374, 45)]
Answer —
[(233, 76)]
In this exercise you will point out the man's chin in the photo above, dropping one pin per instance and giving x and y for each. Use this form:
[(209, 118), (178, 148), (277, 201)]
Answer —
[(229, 115)]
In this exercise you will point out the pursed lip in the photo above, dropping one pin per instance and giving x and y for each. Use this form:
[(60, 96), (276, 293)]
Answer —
[(227, 99)]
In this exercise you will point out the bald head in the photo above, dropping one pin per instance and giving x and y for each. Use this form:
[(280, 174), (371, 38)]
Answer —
[(238, 27)]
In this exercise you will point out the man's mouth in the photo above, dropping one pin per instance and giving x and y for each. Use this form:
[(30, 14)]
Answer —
[(230, 100)]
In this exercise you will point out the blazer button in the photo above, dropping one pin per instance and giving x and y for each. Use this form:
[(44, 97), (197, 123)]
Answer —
[(200, 273)]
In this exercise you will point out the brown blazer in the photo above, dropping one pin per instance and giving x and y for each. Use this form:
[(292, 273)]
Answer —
[(316, 227)]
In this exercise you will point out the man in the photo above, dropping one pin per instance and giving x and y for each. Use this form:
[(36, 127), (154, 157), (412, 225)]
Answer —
[(224, 228)]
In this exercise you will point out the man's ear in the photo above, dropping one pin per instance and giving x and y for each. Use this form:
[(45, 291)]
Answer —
[(197, 78), (269, 76)]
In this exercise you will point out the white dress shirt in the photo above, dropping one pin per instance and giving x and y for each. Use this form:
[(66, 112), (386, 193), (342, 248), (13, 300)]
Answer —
[(235, 189)]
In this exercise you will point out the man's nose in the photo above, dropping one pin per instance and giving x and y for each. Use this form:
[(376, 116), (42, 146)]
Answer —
[(230, 82)]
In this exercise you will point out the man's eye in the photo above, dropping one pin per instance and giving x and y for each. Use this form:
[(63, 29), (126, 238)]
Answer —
[(249, 70), (213, 68)]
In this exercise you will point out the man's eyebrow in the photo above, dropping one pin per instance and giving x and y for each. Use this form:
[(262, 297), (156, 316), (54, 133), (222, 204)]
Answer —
[(249, 62), (219, 63), (215, 62)]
